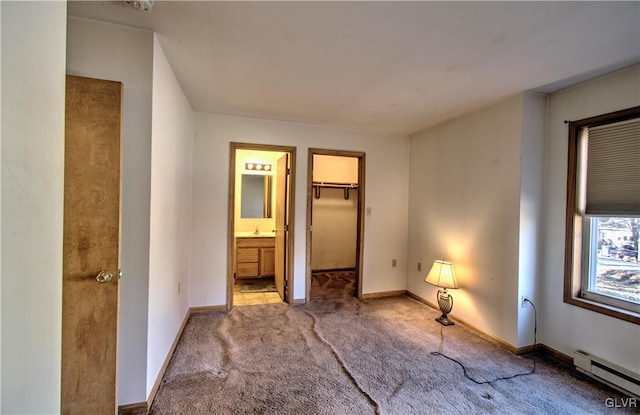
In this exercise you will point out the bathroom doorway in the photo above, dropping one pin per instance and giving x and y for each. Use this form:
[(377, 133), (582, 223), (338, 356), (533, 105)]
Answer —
[(335, 223), (260, 231)]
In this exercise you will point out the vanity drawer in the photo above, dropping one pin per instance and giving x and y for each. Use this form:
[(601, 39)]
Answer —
[(247, 270), (256, 242), (248, 255)]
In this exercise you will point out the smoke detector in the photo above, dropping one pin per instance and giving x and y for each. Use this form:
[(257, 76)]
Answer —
[(145, 5)]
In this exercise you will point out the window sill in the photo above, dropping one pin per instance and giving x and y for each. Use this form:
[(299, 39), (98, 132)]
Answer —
[(605, 309)]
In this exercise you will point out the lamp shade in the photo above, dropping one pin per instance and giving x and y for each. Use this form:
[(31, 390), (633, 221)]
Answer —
[(442, 275)]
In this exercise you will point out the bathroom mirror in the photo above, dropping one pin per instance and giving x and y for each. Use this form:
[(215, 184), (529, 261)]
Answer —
[(255, 196)]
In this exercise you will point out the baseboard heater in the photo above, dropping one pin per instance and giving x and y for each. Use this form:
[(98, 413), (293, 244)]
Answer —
[(606, 372)]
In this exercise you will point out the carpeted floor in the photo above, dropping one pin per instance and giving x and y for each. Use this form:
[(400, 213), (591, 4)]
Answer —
[(333, 284), (340, 355)]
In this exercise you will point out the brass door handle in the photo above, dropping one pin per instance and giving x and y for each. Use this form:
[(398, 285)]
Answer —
[(104, 276)]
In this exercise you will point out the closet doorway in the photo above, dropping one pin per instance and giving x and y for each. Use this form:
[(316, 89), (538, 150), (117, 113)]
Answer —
[(260, 224), (335, 223)]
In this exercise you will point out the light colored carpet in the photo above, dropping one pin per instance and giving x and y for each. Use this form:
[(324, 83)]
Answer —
[(339, 355)]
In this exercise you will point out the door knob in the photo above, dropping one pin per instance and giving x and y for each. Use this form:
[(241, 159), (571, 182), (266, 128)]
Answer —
[(104, 276)]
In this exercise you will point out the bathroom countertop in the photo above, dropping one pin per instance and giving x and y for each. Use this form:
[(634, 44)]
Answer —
[(253, 235)]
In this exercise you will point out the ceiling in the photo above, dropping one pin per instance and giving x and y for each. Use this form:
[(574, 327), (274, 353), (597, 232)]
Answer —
[(382, 67)]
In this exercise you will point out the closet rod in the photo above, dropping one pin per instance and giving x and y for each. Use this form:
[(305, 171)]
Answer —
[(346, 186), (336, 185)]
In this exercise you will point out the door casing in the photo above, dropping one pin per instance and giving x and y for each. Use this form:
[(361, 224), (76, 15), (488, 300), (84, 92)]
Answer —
[(282, 219), (361, 156), (231, 219)]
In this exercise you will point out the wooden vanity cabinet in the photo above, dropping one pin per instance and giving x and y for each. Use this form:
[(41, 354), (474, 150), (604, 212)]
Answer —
[(255, 257)]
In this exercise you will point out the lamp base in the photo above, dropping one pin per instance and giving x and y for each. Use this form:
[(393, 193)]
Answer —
[(445, 302), (444, 320)]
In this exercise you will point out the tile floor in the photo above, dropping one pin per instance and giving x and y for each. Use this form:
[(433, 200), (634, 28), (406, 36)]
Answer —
[(242, 299)]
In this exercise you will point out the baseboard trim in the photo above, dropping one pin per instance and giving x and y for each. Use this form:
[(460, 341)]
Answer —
[(489, 337), (421, 300), (517, 350), (133, 408), (384, 294), (333, 269), (206, 309), (299, 301), (568, 360), (165, 365), (528, 349), (143, 407)]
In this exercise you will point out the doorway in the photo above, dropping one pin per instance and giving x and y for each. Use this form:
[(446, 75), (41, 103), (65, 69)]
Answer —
[(260, 231), (335, 210)]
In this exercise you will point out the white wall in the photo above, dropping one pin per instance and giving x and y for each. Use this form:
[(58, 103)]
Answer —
[(33, 100), (464, 207), (531, 213), (334, 236), (387, 160), (335, 169), (565, 327), (170, 223), (118, 53), (0, 215)]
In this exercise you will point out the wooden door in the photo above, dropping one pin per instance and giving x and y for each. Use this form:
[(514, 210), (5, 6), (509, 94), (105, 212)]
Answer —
[(282, 220), (91, 245), (267, 262)]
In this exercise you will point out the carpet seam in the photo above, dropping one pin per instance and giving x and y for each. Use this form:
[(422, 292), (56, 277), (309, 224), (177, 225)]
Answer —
[(344, 368)]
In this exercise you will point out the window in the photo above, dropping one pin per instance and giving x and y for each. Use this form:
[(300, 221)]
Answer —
[(602, 271)]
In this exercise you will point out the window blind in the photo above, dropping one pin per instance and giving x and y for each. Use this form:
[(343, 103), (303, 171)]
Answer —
[(613, 169)]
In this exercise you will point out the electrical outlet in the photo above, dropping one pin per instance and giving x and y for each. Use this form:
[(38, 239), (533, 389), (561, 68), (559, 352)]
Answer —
[(394, 263), (368, 211), (523, 301), (419, 266)]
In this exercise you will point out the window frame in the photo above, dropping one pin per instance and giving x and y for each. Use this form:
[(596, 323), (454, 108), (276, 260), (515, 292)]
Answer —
[(576, 260), (590, 261)]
